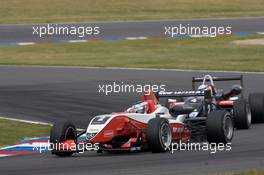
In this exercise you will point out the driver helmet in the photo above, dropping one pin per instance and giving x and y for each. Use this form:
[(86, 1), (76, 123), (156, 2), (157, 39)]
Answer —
[(206, 87), (138, 108)]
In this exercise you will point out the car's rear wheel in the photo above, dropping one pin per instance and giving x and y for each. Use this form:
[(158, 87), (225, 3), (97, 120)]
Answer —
[(159, 135), (242, 115), (219, 127), (256, 103), (60, 132)]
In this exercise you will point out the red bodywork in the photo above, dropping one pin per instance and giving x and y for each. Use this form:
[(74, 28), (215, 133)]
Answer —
[(226, 103), (134, 131), (125, 127)]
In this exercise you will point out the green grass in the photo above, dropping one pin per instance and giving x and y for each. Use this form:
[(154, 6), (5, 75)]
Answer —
[(197, 53), (13, 131), (31, 11), (253, 172)]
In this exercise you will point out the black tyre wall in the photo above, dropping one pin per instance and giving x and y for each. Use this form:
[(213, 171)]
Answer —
[(153, 135), (256, 103), (215, 124), (241, 112), (58, 135)]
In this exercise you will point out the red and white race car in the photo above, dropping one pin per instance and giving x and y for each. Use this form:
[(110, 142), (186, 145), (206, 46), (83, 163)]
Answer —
[(148, 125)]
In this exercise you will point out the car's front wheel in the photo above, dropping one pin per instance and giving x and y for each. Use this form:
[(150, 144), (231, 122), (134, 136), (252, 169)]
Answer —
[(219, 127), (159, 135), (61, 132)]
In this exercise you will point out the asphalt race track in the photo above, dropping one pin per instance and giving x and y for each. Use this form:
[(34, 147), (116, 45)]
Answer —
[(117, 30), (51, 94)]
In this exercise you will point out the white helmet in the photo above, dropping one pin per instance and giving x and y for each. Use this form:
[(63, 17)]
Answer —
[(204, 87), (138, 108)]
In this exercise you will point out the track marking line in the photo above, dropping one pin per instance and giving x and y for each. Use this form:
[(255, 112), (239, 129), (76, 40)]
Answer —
[(33, 122), (26, 121), (77, 41), (136, 38), (26, 43)]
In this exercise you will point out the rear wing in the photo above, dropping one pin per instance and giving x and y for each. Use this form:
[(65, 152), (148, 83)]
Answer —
[(233, 78), (173, 94), (206, 94)]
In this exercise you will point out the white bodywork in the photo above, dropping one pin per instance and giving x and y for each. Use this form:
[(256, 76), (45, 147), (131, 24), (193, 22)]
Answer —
[(163, 112)]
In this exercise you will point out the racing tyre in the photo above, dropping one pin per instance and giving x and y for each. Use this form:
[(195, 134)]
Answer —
[(60, 132), (256, 103), (159, 135), (219, 127), (242, 115)]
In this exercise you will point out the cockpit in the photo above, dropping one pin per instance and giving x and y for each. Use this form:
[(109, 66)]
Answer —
[(140, 107), (148, 104)]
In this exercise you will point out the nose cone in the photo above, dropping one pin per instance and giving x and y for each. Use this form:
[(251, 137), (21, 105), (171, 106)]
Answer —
[(96, 125)]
